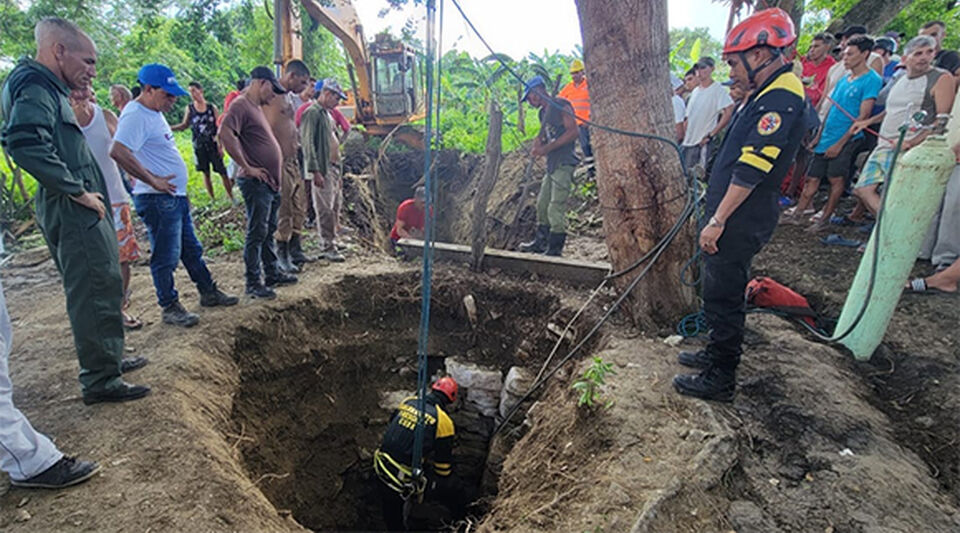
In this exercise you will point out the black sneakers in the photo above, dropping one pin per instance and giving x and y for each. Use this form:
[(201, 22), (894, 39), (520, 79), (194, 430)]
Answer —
[(124, 392), (279, 279), (216, 297), (700, 359), (66, 472), (176, 315), (261, 292), (712, 383), (129, 364)]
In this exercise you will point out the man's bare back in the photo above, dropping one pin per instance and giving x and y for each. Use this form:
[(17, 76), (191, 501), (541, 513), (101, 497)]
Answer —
[(280, 114)]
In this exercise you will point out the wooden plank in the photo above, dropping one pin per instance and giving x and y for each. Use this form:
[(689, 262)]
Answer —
[(562, 268)]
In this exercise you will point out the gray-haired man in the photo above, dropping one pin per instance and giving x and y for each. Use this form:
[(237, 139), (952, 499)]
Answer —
[(321, 158)]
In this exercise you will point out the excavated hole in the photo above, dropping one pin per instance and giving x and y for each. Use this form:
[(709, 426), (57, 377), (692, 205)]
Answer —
[(320, 378)]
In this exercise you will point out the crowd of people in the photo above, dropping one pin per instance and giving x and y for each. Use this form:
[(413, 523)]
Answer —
[(764, 141), (283, 137)]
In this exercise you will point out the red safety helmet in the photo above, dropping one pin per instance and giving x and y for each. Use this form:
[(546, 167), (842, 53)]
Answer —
[(448, 387), (771, 27)]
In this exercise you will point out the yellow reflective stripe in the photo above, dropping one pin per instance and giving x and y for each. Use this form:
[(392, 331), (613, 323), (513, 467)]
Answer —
[(444, 466), (384, 474), (444, 424), (756, 161), (787, 81), (403, 469), (770, 151)]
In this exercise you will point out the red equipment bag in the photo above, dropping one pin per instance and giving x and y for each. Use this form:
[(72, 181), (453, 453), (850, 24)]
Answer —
[(766, 293)]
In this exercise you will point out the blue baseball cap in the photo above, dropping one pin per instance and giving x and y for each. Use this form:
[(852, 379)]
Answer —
[(533, 83), (157, 75)]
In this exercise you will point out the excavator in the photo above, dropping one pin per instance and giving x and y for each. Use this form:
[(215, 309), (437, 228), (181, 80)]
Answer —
[(387, 87)]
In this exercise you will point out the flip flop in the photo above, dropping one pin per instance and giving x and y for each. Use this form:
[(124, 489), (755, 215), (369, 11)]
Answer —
[(132, 323), (919, 286), (866, 228), (836, 240), (844, 220)]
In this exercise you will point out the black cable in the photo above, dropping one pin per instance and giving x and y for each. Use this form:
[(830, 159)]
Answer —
[(613, 307)]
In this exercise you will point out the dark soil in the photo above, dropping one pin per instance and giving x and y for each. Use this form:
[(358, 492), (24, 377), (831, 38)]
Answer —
[(311, 412), (915, 374)]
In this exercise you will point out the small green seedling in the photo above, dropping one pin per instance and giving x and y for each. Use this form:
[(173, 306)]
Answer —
[(589, 385)]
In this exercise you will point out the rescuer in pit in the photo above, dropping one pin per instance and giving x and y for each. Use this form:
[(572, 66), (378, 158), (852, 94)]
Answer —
[(392, 460), (743, 189)]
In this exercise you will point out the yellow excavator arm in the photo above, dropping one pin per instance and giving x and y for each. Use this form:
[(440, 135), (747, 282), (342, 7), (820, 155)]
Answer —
[(387, 91)]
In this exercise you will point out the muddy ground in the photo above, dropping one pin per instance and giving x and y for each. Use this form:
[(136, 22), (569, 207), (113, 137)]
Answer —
[(264, 416)]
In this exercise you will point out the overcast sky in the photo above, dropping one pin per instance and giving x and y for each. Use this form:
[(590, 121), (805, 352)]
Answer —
[(517, 27)]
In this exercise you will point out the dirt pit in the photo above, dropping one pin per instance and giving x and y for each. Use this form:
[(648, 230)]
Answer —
[(318, 384)]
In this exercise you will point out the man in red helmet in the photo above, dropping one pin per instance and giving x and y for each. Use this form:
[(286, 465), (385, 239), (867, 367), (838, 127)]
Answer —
[(743, 190), (392, 460)]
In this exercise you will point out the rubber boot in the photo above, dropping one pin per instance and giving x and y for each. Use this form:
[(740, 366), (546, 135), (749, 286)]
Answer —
[(283, 258), (712, 383), (539, 243), (295, 252), (555, 244)]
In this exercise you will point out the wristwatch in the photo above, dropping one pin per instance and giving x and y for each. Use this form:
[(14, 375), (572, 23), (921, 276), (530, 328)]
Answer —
[(715, 223)]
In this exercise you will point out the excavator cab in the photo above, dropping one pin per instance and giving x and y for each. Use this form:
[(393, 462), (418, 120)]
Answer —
[(388, 86), (396, 82)]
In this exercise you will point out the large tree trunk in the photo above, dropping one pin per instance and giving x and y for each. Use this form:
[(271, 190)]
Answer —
[(795, 8), (874, 14), (491, 169), (639, 181)]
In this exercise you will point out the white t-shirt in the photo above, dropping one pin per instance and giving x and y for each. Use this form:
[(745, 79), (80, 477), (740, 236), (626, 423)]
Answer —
[(146, 133), (703, 111), (679, 109)]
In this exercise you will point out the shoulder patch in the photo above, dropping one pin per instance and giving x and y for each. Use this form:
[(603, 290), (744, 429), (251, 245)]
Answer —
[(769, 123)]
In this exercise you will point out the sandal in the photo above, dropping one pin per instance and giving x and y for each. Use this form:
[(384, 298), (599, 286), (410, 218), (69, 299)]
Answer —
[(836, 240), (131, 323), (919, 286)]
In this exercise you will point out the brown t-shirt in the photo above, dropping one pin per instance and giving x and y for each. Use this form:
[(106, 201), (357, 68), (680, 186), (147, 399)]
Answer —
[(259, 145)]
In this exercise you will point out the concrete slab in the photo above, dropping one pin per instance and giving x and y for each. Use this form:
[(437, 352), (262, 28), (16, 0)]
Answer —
[(570, 270)]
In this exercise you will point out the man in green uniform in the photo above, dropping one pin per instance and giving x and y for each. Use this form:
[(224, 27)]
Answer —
[(41, 134), (558, 133)]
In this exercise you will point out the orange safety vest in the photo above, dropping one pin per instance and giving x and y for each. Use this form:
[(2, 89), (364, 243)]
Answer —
[(579, 98)]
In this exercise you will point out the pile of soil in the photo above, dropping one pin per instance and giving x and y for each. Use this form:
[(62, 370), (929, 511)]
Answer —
[(813, 441)]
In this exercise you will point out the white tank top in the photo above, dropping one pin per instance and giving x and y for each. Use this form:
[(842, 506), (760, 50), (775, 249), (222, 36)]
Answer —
[(99, 139)]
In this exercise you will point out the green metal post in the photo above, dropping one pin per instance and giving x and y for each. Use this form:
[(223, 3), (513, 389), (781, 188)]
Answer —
[(916, 189)]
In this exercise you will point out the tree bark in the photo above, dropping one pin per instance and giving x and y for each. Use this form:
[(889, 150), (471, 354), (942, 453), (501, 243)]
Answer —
[(874, 14), (639, 181), (491, 168), (795, 9)]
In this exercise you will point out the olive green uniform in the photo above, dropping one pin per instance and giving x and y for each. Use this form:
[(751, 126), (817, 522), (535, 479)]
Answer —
[(42, 136), (555, 189)]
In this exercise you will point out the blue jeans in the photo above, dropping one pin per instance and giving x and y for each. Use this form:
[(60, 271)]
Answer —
[(172, 240), (262, 205)]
